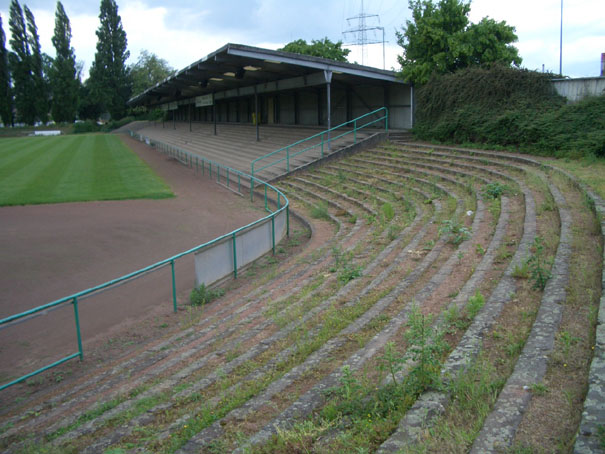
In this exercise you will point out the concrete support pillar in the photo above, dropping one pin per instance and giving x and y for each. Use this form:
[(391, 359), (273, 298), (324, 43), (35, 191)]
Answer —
[(412, 106), (256, 119), (328, 75), (214, 113)]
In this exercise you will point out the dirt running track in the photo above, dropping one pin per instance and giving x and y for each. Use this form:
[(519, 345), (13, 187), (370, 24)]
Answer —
[(51, 251)]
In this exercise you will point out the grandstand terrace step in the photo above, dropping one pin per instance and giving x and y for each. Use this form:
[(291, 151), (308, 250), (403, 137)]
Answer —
[(428, 305), (236, 145)]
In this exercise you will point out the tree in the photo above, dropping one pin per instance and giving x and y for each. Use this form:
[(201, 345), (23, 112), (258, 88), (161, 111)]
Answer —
[(318, 48), (148, 71), (6, 100), (109, 82), (40, 88), (63, 75), (20, 65), (440, 40)]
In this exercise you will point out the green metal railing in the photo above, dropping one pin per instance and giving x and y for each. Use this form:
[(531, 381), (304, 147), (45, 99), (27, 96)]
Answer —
[(230, 177), (322, 140)]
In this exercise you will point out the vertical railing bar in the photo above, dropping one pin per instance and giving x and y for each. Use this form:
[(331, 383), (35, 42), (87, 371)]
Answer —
[(77, 319), (273, 232), (173, 286), (234, 258), (322, 145), (266, 197)]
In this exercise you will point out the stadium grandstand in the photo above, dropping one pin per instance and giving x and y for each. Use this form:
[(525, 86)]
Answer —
[(242, 102)]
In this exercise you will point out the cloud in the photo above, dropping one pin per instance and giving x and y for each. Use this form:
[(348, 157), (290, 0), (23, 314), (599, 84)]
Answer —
[(182, 31)]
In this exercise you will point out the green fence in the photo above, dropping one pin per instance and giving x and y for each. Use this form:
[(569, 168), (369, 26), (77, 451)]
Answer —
[(319, 142), (228, 177)]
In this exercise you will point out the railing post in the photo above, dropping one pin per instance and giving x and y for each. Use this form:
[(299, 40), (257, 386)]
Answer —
[(273, 232), (227, 176), (355, 131), (322, 145), (79, 335), (266, 207), (173, 286), (288, 220), (239, 183), (252, 182), (234, 258), (288, 159), (386, 121)]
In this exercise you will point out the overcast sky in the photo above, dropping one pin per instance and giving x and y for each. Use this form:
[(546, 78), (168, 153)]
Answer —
[(183, 31)]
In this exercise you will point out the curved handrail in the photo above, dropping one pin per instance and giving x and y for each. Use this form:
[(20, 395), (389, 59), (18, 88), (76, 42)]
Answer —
[(73, 299)]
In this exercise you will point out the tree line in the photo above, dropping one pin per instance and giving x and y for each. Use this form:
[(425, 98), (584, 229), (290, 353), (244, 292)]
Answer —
[(36, 88)]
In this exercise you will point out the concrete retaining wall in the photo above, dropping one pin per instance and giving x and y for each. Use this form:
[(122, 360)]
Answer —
[(216, 261), (576, 89)]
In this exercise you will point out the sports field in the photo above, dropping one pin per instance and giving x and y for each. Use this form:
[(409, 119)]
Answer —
[(36, 170)]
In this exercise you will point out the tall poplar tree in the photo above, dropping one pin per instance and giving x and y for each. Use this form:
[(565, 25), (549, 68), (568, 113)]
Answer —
[(40, 94), (63, 76), (109, 80), (20, 65), (6, 101)]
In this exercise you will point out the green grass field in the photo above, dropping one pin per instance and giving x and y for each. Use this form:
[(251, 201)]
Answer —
[(37, 170)]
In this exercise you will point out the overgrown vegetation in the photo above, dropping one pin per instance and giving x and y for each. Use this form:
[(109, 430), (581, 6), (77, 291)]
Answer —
[(512, 108)]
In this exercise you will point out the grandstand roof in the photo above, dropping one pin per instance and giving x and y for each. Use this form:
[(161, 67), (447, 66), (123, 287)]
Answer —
[(236, 66)]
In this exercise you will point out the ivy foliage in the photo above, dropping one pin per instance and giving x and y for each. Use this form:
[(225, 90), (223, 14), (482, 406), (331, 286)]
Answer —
[(509, 107)]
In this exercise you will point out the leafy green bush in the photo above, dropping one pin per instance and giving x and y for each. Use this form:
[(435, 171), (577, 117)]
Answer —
[(85, 127), (202, 295)]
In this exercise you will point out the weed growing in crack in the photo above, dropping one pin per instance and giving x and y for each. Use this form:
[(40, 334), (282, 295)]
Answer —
[(343, 265), (320, 211), (521, 270), (455, 231), (539, 268), (202, 295), (425, 347), (495, 190), (474, 305), (388, 212)]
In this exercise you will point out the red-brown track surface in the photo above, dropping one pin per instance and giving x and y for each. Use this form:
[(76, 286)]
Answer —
[(51, 251)]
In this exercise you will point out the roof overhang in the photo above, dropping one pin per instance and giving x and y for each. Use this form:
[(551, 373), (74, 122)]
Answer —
[(239, 70)]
